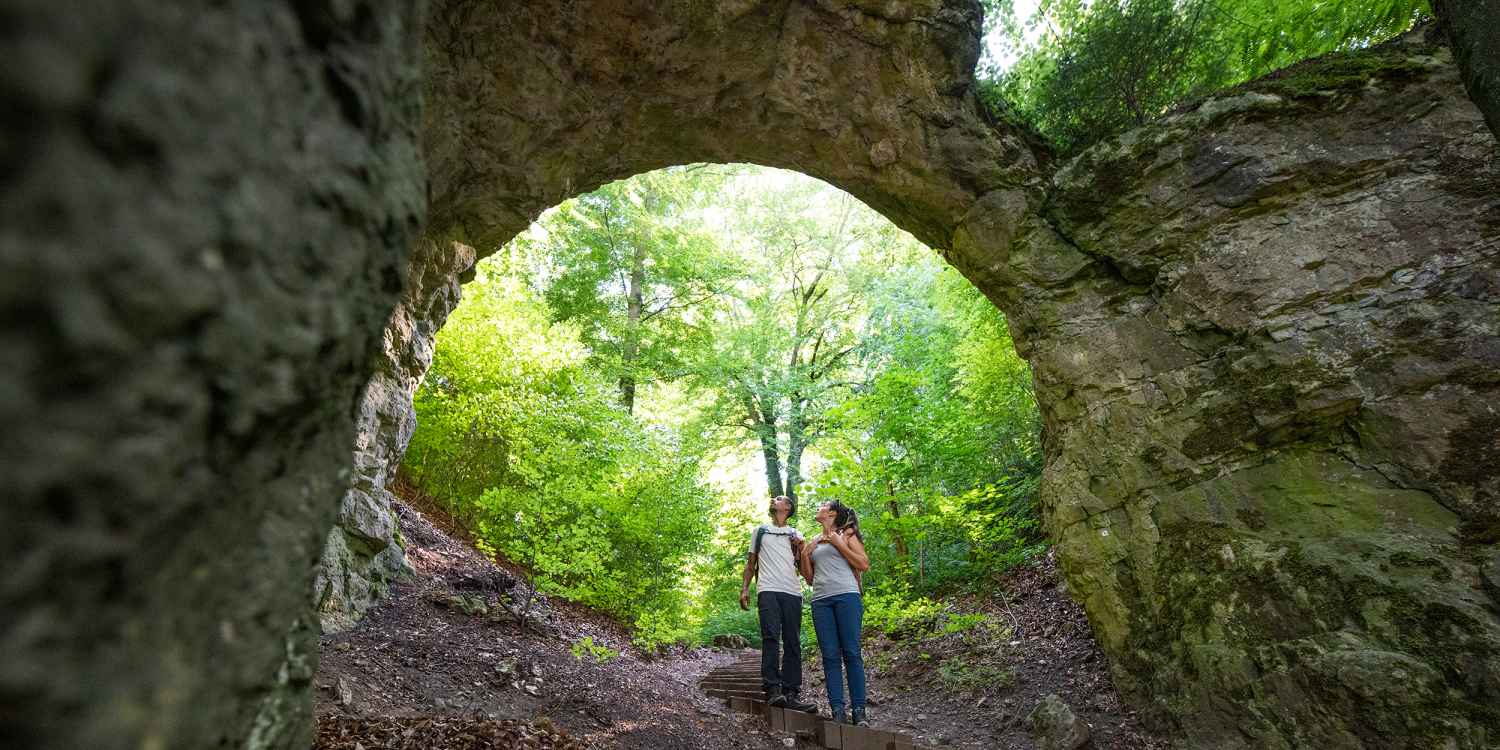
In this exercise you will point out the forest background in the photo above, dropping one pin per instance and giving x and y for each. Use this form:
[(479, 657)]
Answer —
[(628, 382)]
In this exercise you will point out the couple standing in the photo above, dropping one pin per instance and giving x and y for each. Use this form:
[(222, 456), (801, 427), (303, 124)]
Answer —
[(832, 563)]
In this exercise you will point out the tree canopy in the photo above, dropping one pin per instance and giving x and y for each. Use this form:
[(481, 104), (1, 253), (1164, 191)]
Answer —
[(779, 326), (1086, 69)]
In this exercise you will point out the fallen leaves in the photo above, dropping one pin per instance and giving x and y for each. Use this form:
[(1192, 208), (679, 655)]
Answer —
[(440, 733)]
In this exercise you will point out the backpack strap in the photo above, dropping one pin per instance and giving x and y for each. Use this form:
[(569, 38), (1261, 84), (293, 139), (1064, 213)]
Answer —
[(755, 548)]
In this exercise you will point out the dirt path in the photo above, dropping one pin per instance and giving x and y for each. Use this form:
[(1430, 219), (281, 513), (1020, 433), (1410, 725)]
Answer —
[(416, 657), (975, 689), (430, 668)]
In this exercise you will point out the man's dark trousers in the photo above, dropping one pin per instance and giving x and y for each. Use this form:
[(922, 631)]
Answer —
[(780, 631)]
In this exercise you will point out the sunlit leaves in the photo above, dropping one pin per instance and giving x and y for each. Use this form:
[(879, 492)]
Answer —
[(771, 288), (940, 452), (526, 443), (1090, 69)]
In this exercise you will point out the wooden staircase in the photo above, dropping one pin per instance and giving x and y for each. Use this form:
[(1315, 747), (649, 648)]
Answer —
[(738, 684)]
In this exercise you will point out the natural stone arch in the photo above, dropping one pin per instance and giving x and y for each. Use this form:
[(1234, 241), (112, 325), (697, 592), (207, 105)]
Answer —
[(1191, 394), (514, 125), (649, 86), (167, 533)]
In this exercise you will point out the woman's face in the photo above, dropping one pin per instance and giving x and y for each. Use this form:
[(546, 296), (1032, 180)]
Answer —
[(825, 515)]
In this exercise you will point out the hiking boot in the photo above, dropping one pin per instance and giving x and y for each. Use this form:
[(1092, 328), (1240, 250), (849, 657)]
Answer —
[(794, 702), (857, 717), (775, 697), (838, 715)]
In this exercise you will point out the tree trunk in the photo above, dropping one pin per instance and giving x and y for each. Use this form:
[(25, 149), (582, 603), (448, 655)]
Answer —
[(796, 430), (769, 450), (895, 508), (763, 423), (1473, 29), (635, 296)]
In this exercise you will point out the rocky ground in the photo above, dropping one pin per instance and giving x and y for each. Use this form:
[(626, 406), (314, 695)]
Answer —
[(977, 688), (433, 652), (446, 662)]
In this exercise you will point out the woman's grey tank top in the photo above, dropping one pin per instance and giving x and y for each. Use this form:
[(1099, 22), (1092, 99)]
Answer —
[(831, 573)]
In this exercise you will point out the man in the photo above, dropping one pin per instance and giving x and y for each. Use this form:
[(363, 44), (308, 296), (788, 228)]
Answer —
[(774, 550)]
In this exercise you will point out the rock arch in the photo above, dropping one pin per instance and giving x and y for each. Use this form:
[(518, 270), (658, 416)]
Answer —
[(1264, 332)]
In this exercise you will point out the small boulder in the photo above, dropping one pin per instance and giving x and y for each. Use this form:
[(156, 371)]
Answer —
[(1054, 726), (469, 605), (731, 641)]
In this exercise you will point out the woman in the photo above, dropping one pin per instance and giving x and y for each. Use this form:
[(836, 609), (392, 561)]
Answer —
[(832, 563)]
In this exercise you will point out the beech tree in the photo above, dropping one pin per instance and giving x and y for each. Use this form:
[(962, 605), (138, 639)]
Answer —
[(789, 336), (633, 265)]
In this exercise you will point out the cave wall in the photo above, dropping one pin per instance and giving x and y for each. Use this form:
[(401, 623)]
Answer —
[(1263, 333), (363, 553), (1266, 341), (207, 215)]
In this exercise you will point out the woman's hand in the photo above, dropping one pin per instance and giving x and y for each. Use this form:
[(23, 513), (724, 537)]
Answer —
[(853, 550)]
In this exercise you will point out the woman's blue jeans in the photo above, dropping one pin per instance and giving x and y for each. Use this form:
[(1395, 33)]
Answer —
[(838, 621)]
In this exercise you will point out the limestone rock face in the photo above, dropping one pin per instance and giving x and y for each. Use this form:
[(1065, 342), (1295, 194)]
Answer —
[(548, 99), (1474, 33), (1266, 341), (362, 553), (1263, 332), (207, 215)]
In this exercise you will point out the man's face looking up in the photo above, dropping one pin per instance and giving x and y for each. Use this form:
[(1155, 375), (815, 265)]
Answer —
[(783, 508)]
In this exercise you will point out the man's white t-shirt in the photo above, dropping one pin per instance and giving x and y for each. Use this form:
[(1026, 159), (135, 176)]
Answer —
[(777, 570)]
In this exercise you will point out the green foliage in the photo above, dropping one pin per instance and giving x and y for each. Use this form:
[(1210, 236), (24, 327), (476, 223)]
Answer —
[(902, 616), (788, 335), (636, 268), (940, 452), (586, 647), (964, 673), (724, 617), (527, 445), (1089, 69), (771, 315)]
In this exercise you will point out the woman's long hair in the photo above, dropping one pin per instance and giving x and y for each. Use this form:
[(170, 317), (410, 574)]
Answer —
[(844, 517)]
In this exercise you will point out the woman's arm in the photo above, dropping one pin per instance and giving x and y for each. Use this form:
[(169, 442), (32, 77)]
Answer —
[(804, 561), (852, 549)]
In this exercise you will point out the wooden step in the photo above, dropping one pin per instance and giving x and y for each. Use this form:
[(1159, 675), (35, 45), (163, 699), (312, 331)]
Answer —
[(726, 694), (730, 685), (822, 731)]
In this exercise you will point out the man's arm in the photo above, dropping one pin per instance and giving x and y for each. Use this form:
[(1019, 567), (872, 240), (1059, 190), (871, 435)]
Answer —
[(751, 566)]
